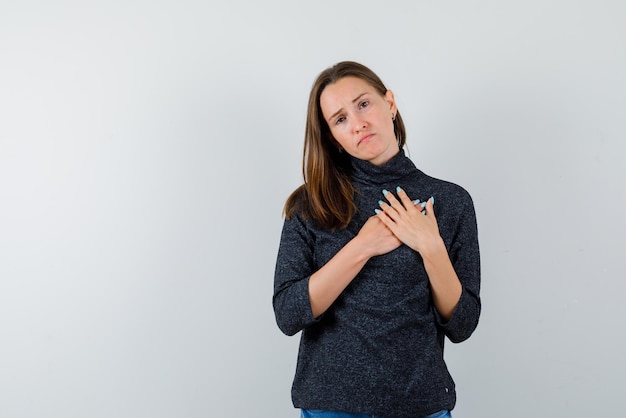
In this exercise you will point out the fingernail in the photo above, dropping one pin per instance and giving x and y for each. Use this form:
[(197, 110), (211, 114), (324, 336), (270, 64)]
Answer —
[(385, 191), (432, 200), (415, 202), (398, 189), (380, 202), (423, 205), (377, 211)]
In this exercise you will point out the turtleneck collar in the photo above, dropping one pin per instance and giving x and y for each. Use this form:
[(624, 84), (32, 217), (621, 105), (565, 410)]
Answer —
[(394, 169)]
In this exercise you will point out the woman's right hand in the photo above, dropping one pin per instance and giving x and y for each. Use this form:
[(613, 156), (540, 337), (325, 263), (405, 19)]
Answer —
[(326, 284), (376, 238)]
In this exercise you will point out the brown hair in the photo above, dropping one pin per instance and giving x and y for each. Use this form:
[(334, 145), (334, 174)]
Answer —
[(327, 193)]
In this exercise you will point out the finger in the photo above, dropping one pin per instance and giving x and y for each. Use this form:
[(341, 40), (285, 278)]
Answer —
[(404, 198), (384, 217), (393, 202), (429, 207), (422, 207), (389, 211)]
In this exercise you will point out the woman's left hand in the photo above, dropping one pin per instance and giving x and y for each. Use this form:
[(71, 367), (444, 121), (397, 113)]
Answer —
[(405, 219), (420, 232)]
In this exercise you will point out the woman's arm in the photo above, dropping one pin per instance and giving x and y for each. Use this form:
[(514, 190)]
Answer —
[(444, 283), (421, 232), (326, 284), (454, 274), (302, 293)]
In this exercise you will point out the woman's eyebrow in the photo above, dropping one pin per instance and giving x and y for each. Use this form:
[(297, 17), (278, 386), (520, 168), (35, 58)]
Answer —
[(356, 99)]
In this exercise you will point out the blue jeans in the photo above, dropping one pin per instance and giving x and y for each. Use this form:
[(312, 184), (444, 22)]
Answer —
[(308, 413)]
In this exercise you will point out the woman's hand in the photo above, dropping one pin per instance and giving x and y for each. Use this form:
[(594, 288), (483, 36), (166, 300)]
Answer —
[(376, 238), (414, 224)]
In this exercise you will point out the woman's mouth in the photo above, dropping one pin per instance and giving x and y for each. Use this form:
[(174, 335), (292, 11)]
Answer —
[(365, 139)]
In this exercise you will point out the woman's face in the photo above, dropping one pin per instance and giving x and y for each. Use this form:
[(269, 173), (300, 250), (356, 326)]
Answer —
[(360, 119)]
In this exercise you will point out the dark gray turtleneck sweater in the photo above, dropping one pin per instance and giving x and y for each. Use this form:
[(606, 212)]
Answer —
[(379, 348)]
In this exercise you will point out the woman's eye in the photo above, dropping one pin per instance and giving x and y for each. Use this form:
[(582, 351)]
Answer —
[(340, 120), (364, 104)]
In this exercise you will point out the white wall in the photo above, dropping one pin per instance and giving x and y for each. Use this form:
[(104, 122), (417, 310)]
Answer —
[(147, 147)]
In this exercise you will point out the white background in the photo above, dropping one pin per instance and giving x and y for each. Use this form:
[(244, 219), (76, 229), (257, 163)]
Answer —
[(147, 147)]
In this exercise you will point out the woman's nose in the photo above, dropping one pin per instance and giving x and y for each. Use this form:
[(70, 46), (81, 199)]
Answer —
[(358, 124)]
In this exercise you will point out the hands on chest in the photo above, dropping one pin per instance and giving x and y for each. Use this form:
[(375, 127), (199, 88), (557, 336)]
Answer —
[(412, 222)]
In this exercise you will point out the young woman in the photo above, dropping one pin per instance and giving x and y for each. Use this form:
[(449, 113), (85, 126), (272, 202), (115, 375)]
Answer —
[(377, 263)]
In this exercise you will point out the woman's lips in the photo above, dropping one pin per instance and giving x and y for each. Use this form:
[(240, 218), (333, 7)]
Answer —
[(365, 139)]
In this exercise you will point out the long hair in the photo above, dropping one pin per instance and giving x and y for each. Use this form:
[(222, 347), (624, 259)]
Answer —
[(327, 195)]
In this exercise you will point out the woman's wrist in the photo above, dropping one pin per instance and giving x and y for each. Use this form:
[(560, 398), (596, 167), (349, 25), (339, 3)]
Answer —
[(362, 252), (434, 250)]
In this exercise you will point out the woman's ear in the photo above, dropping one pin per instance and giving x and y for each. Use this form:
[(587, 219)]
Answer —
[(390, 99)]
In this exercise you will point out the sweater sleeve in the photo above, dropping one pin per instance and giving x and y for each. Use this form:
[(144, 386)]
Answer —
[(294, 266), (465, 257)]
